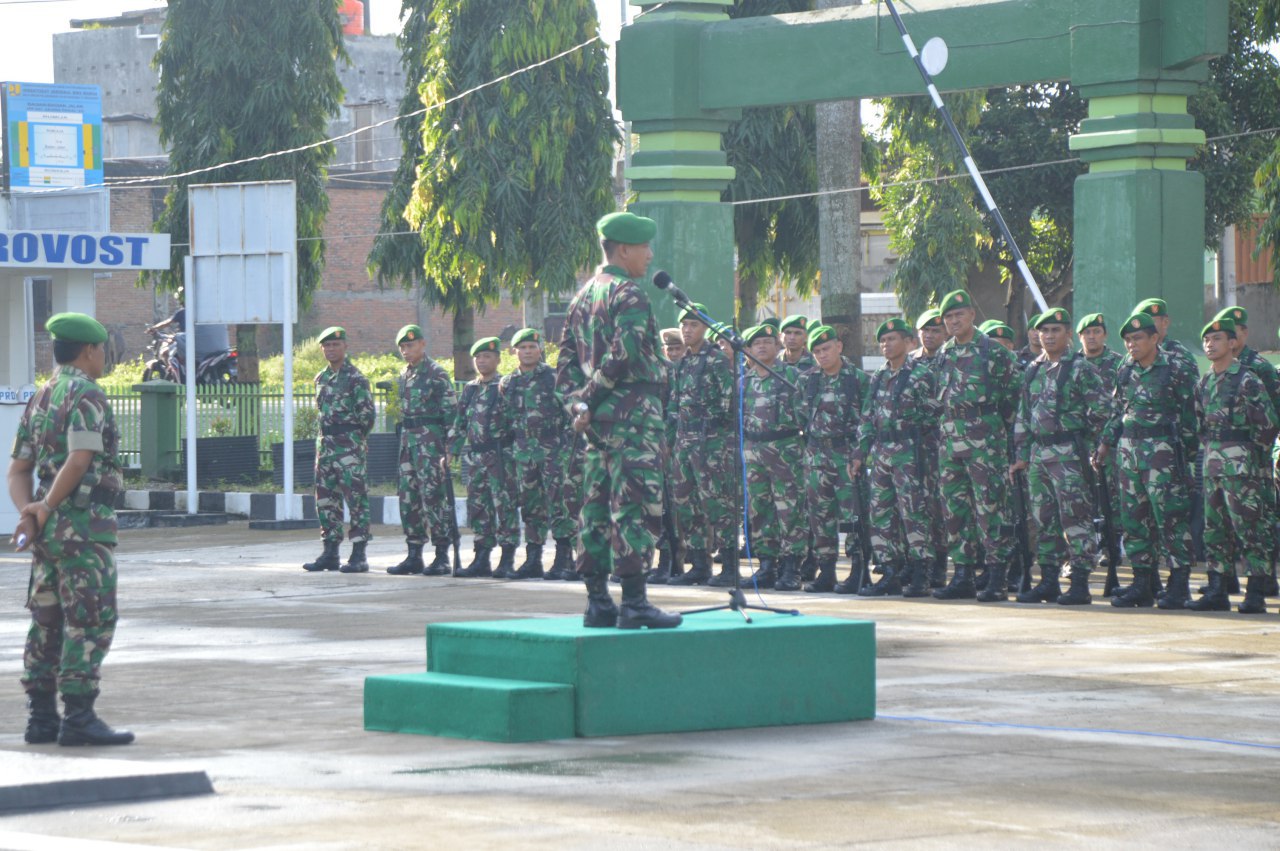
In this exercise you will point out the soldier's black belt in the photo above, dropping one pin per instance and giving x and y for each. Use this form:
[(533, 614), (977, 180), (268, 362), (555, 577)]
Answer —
[(488, 445), (771, 436), (1148, 432), (1057, 438), (340, 428), (898, 435), (1229, 435), (422, 421), (642, 386), (98, 494)]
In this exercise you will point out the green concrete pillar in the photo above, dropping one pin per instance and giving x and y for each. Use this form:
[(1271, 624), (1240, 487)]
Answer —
[(678, 169), (1139, 214), (161, 438)]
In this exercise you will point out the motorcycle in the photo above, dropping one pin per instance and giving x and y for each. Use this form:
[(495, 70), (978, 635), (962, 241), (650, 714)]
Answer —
[(164, 361)]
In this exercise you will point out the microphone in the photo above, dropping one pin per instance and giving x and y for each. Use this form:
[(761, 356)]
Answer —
[(663, 282)]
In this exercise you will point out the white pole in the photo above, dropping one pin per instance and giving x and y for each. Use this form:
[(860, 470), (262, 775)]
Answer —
[(289, 288), (189, 356)]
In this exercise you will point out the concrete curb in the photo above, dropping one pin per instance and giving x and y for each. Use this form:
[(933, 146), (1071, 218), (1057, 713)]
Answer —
[(385, 510)]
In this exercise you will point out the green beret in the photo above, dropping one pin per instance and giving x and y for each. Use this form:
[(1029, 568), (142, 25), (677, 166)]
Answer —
[(760, 331), (795, 320), (718, 329), (1091, 320), (999, 331), (526, 335), (1032, 320), (627, 228), (1238, 315), (408, 334), (953, 300), (487, 344), (75, 328), (929, 319), (1138, 322), (1052, 316), (1152, 307), (692, 311), (822, 334), (895, 324), (811, 324), (333, 332), (988, 325), (773, 322), (1227, 325)]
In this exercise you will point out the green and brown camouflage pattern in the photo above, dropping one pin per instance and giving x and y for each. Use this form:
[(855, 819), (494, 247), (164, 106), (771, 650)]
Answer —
[(427, 403), (774, 452), (482, 437), (344, 401)]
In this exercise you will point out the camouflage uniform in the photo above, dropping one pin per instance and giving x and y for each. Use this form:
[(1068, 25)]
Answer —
[(801, 365), (482, 428), (899, 411), (426, 398), (347, 414), (609, 360), (702, 487), (832, 408), (978, 384), (931, 446), (773, 450), (1153, 425), (1237, 424), (541, 452), (1062, 407), (72, 594)]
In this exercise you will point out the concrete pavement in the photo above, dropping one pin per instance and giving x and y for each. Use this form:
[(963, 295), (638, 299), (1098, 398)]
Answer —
[(1000, 725)]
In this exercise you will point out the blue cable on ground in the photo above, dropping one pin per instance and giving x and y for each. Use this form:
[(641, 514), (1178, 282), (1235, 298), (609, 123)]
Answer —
[(1103, 731)]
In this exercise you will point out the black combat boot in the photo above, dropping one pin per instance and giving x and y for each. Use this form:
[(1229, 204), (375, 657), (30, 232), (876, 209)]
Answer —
[(981, 578), (1112, 582), (1178, 592), (328, 560), (601, 611), (43, 723), (1139, 594), (532, 567), (412, 562), (357, 562), (699, 570), (825, 579), (788, 578), (919, 580), (808, 567), (82, 726), (729, 576), (890, 584), (938, 570), (995, 591), (440, 565), (1078, 594), (660, 574), (766, 575), (1013, 582), (563, 559), (506, 563), (1230, 584), (852, 583), (1254, 602), (636, 610), (960, 587), (1214, 597), (479, 565), (1047, 590)]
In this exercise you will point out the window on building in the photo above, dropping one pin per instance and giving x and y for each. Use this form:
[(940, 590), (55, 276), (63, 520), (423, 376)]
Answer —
[(362, 118)]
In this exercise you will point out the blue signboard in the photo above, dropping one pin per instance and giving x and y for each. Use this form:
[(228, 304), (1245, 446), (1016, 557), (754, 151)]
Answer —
[(53, 135)]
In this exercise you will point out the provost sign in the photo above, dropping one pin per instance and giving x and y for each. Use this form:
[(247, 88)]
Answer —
[(72, 250), (53, 133)]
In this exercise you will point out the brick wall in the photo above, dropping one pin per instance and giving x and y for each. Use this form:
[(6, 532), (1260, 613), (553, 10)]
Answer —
[(124, 307)]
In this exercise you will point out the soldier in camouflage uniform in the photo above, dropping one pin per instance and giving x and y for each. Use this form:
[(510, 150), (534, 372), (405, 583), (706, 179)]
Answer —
[(482, 429), (795, 339), (670, 560), (998, 331), (978, 382), (1032, 349), (347, 414), (1092, 331), (541, 452), (65, 451), (899, 410), (1153, 425), (932, 334), (831, 399), (1062, 408), (1237, 425), (773, 451), (609, 363), (702, 488), (426, 400)]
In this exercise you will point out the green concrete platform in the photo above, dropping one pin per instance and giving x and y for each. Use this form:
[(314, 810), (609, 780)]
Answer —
[(714, 672)]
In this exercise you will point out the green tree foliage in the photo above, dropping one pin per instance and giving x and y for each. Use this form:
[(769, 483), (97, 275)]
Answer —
[(242, 78), (772, 150), (512, 178), (1268, 175)]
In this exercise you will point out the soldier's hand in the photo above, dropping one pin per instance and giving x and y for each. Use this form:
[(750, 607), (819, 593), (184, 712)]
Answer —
[(24, 534), (582, 421), (854, 466), (38, 513), (1017, 467), (1100, 455), (444, 463)]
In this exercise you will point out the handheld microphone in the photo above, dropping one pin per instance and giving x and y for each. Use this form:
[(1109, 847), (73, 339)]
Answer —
[(663, 282)]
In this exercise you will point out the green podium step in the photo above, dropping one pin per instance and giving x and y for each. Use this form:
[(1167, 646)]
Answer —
[(464, 707), (713, 672)]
